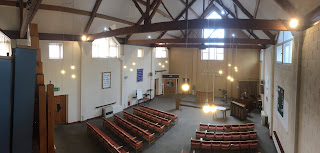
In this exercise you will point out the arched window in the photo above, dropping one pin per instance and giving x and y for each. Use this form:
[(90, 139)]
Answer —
[(213, 53)]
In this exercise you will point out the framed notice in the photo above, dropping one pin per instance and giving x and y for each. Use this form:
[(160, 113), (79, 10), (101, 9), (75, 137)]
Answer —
[(280, 100), (139, 75), (106, 80)]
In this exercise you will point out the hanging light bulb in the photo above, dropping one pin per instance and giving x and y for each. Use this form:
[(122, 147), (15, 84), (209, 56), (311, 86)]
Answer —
[(131, 70), (73, 76), (229, 65), (63, 72), (72, 67), (229, 77), (84, 38), (236, 70), (133, 63), (213, 108), (166, 61), (220, 72), (162, 66), (206, 108), (124, 67), (185, 87)]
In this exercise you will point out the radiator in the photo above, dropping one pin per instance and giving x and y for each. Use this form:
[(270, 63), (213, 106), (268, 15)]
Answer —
[(264, 118), (107, 111)]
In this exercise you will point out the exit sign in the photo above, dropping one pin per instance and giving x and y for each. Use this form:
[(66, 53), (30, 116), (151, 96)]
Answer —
[(56, 89)]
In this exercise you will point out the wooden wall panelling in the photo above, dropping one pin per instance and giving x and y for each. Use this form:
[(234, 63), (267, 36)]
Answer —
[(50, 117), (42, 119)]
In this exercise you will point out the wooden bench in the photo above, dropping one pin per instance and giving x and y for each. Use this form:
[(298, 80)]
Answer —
[(135, 129), (145, 123), (107, 142), (227, 128), (226, 136), (160, 113), (152, 117), (126, 137), (224, 146)]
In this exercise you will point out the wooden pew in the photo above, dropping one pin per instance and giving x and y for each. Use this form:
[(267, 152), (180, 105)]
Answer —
[(135, 129), (126, 137), (224, 146), (227, 128), (160, 113), (227, 136), (107, 142), (152, 117), (145, 123)]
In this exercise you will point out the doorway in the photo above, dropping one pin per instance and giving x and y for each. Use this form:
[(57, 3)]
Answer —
[(60, 109), (156, 82), (170, 86)]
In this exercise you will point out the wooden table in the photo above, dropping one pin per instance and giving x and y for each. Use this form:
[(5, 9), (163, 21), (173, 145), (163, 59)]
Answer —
[(222, 109)]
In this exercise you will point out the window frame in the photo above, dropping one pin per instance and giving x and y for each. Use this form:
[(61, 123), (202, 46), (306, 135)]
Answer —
[(60, 51), (142, 52), (108, 42), (282, 44), (164, 49), (215, 52)]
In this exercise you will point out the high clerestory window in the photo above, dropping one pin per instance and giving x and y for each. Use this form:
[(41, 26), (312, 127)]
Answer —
[(105, 48), (213, 53), (5, 44), (284, 47)]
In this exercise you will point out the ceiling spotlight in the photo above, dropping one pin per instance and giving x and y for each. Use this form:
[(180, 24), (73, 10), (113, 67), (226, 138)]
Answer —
[(105, 29), (84, 38), (222, 12), (220, 72), (73, 76), (131, 70), (149, 37), (235, 68), (72, 67), (229, 77), (293, 23), (233, 35), (133, 63), (124, 67), (63, 72)]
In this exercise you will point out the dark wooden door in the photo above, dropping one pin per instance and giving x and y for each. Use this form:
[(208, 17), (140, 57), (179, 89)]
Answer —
[(170, 86), (60, 109)]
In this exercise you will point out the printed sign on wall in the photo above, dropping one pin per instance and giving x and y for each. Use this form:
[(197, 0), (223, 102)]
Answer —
[(106, 80), (139, 75), (280, 100)]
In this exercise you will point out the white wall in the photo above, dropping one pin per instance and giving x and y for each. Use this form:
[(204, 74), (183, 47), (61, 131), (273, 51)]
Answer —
[(85, 93)]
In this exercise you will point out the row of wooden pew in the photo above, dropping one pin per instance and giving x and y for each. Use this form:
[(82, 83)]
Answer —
[(145, 123), (227, 128), (135, 129), (230, 136), (224, 146), (107, 142), (152, 117), (129, 139), (160, 113)]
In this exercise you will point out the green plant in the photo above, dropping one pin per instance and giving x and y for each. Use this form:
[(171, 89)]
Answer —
[(193, 87), (224, 92)]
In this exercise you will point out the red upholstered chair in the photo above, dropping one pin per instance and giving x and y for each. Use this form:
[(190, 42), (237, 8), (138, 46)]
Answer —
[(250, 126), (244, 145), (235, 128), (161, 114), (212, 128), (195, 144), (245, 136), (219, 136), (166, 122), (227, 136), (234, 146), (225, 146), (227, 128), (216, 146), (253, 135), (220, 128), (253, 145), (151, 126), (235, 136), (203, 127), (200, 134), (206, 145), (210, 136), (243, 128)]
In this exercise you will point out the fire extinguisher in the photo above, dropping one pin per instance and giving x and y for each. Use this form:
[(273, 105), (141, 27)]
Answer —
[(128, 103)]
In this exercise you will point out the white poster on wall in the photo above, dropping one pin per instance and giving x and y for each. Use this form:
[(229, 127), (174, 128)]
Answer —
[(106, 80)]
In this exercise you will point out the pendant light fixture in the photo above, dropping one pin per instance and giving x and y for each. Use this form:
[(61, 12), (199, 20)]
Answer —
[(73, 76), (185, 86)]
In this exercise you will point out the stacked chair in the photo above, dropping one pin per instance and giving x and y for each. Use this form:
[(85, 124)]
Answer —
[(126, 137), (145, 123), (107, 142), (152, 117), (135, 129), (225, 138), (160, 113)]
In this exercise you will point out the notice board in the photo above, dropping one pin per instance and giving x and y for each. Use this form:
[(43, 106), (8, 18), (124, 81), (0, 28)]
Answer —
[(106, 80), (139, 75)]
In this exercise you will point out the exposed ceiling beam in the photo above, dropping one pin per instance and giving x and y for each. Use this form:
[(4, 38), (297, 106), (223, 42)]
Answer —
[(312, 18), (138, 6), (159, 11), (155, 9), (93, 14), (235, 10), (248, 14), (21, 11), (191, 9), (210, 46), (256, 9), (164, 6), (179, 16), (251, 24), (288, 7), (202, 40), (69, 10), (29, 14)]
